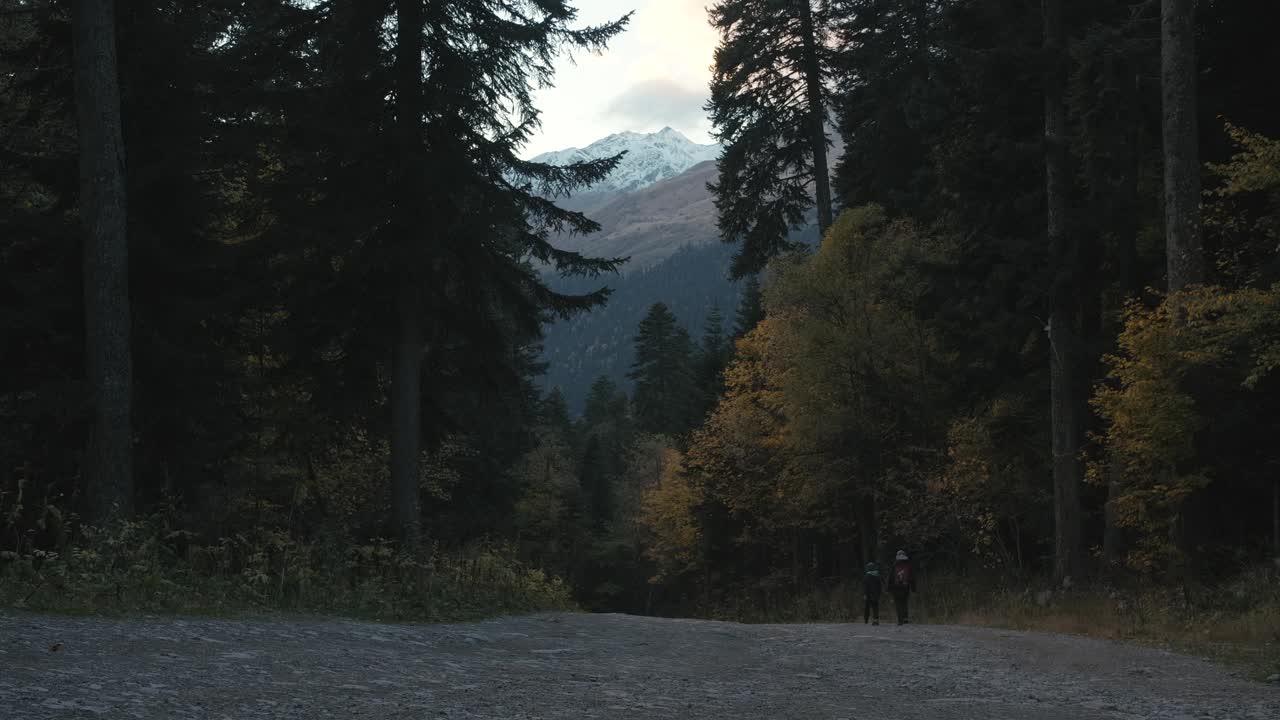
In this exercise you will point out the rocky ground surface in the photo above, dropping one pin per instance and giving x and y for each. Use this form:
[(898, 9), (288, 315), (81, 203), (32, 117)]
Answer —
[(592, 666)]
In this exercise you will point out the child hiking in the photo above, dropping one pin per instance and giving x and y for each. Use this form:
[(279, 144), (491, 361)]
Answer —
[(871, 594), (902, 582)]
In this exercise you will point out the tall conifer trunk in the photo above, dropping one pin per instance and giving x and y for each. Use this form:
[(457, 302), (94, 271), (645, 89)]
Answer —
[(1113, 548), (407, 361), (817, 117), (1064, 352), (108, 459), (1275, 518), (868, 532), (1185, 253)]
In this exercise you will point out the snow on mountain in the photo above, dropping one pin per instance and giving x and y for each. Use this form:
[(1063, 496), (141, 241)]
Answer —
[(650, 158)]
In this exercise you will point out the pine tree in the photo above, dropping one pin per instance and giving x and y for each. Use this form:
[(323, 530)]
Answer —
[(1181, 144), (108, 464), (665, 392), (750, 308), (714, 352), (1066, 391), (768, 106), (886, 100), (410, 343), (41, 332), (596, 485), (606, 422), (605, 404), (450, 283), (554, 412)]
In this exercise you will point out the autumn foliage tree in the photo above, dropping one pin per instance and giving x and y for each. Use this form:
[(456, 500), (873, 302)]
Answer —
[(1181, 365), (1193, 373), (824, 412)]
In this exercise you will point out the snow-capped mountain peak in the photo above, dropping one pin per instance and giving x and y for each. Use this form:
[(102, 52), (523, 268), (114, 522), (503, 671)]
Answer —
[(650, 158)]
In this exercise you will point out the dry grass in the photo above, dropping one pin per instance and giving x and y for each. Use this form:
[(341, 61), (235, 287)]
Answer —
[(1238, 624)]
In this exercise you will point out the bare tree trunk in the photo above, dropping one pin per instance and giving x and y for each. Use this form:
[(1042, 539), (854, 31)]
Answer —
[(406, 373), (868, 533), (1185, 253), (1017, 545), (1063, 344), (1183, 249), (1275, 517), (795, 558), (817, 117), (1111, 543), (406, 419), (108, 459)]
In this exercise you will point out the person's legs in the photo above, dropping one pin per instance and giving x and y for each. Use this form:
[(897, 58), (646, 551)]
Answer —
[(900, 605), (875, 609), (866, 608)]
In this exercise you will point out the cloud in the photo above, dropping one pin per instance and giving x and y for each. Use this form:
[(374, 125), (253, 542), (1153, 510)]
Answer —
[(658, 101), (653, 74)]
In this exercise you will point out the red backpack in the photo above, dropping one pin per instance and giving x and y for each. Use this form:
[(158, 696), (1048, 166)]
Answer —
[(902, 574)]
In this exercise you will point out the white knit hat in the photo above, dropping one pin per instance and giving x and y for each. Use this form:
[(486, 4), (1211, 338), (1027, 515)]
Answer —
[(902, 555)]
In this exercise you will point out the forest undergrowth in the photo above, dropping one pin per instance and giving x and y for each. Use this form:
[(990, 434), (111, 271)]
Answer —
[(148, 566)]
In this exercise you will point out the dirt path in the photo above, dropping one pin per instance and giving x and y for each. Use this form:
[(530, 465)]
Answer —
[(592, 666)]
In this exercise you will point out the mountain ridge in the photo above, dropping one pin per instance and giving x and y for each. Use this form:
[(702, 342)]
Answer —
[(651, 224), (649, 158), (668, 230)]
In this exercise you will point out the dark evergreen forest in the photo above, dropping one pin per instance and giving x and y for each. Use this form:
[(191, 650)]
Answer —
[(282, 324)]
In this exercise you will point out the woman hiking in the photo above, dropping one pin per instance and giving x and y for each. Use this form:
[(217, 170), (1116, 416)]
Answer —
[(902, 582)]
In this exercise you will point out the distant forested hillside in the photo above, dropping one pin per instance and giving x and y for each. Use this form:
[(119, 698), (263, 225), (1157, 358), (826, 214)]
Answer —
[(691, 283)]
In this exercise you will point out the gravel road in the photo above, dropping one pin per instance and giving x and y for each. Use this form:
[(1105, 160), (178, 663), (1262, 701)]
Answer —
[(592, 666)]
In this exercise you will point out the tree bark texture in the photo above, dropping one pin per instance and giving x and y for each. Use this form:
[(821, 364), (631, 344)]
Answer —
[(817, 117), (1183, 247), (1275, 517), (1113, 539), (1065, 386), (108, 461), (407, 362), (868, 533)]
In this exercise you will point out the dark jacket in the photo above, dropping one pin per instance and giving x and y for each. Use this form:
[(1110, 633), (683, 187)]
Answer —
[(871, 583), (910, 585)]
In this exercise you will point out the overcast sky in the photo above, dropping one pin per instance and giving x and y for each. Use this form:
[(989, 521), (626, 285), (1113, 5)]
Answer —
[(653, 75)]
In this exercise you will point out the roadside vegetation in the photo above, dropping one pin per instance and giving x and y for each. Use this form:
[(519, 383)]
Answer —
[(148, 566)]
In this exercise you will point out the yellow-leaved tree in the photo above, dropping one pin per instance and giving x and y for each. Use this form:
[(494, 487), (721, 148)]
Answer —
[(1200, 344), (991, 482), (826, 421), (1186, 367), (857, 376), (669, 510)]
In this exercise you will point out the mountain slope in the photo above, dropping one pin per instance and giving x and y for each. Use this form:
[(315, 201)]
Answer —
[(667, 226), (692, 280), (651, 224)]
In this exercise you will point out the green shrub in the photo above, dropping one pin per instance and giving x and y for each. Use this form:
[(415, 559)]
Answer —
[(143, 566)]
